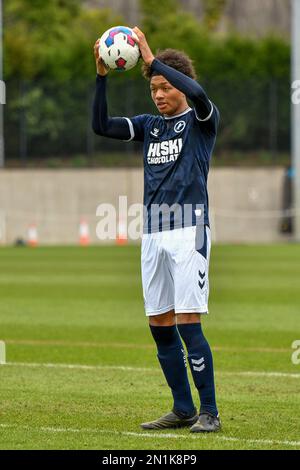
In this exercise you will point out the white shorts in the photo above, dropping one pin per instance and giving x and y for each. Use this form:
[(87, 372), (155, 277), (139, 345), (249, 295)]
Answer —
[(174, 272)]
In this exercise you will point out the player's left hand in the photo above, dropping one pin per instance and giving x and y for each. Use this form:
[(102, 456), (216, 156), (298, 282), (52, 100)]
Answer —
[(146, 52)]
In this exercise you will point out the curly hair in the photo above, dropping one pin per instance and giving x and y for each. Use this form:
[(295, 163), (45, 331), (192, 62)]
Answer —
[(179, 60)]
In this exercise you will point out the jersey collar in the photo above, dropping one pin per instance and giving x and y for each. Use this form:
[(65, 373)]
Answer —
[(179, 115)]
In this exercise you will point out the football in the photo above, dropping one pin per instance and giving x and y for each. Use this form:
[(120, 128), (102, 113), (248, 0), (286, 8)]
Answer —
[(118, 48)]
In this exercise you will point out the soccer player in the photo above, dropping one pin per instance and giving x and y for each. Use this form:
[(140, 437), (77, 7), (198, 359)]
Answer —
[(178, 144)]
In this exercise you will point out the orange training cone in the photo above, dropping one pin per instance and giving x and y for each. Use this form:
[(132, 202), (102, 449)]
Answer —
[(32, 235), (84, 233), (122, 233)]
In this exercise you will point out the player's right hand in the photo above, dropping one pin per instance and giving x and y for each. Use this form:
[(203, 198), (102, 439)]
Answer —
[(101, 68)]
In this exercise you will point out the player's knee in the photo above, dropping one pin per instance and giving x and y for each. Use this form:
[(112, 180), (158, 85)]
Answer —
[(165, 319), (185, 318)]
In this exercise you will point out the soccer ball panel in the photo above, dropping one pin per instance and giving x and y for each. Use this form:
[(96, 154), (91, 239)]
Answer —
[(118, 48)]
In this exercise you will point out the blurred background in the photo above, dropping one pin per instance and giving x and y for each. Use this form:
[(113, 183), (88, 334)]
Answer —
[(56, 171)]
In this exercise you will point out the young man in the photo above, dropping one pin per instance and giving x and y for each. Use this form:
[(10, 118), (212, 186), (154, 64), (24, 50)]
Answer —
[(175, 257)]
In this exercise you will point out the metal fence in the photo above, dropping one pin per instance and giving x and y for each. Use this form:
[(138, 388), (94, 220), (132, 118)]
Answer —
[(46, 119)]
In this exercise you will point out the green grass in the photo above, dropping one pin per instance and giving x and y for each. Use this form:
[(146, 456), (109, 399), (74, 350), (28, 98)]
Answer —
[(84, 306)]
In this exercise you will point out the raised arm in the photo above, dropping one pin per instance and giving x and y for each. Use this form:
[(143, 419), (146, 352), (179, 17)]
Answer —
[(117, 127), (191, 88)]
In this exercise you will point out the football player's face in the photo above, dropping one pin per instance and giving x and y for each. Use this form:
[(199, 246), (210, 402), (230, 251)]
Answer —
[(168, 100)]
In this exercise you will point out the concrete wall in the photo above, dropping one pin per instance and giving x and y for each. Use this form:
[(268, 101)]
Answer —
[(245, 204)]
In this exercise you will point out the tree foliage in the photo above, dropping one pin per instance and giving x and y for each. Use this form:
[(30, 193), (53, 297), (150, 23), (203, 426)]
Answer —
[(47, 44), (215, 56), (213, 11), (155, 14), (55, 40), (52, 39)]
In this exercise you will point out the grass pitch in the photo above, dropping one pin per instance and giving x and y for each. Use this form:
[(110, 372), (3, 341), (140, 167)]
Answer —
[(82, 371)]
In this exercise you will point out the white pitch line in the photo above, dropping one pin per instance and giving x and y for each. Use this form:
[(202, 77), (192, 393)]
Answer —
[(146, 369), (152, 435), (79, 366), (262, 374)]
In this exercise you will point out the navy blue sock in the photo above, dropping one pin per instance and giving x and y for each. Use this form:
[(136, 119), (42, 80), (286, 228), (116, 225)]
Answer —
[(201, 364), (171, 356)]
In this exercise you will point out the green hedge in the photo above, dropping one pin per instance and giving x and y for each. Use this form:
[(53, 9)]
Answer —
[(55, 39), (49, 71)]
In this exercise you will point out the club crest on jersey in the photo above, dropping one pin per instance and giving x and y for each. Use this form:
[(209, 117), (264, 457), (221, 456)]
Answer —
[(164, 152), (155, 132), (179, 126)]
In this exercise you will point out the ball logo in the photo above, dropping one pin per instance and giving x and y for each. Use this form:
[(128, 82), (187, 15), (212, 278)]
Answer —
[(179, 126)]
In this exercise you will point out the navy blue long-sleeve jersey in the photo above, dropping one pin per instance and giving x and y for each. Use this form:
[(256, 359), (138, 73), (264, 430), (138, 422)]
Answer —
[(177, 149)]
